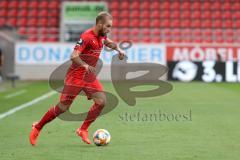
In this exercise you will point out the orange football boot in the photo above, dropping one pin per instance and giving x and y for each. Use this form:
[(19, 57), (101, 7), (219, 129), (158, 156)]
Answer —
[(34, 134), (84, 135)]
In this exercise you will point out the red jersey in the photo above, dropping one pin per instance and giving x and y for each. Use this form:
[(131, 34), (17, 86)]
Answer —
[(90, 45)]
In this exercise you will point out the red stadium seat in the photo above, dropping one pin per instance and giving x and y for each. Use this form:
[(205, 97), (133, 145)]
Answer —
[(207, 32), (175, 23), (177, 40), (3, 13), (23, 13), (134, 32), (166, 32), (145, 23), (165, 14), (23, 4), (186, 6), (2, 21), (53, 22), (54, 5), (115, 14), (237, 24), (124, 23), (43, 22), (145, 32), (146, 39), (165, 23), (227, 15), (156, 23), (13, 4), (228, 33), (165, 5), (236, 6), (22, 31), (226, 6), (33, 13), (124, 32), (156, 39), (156, 32), (32, 31), (145, 14), (52, 39), (134, 23), (196, 14), (145, 5), (156, 5), (228, 23), (185, 23), (32, 22), (175, 14), (206, 23), (167, 40), (114, 5), (186, 32), (216, 15), (4, 3), (43, 38), (206, 6), (207, 40), (53, 13), (124, 5), (43, 30), (12, 21), (22, 22), (176, 32), (155, 14), (32, 39), (217, 33), (12, 13), (175, 5), (186, 14), (125, 14), (33, 4), (217, 24), (206, 15), (196, 23), (197, 33), (135, 14), (196, 6), (43, 13), (135, 5), (236, 15), (219, 40), (43, 4), (216, 5)]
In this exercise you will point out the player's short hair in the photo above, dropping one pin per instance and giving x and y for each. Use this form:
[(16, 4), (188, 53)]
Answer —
[(102, 16)]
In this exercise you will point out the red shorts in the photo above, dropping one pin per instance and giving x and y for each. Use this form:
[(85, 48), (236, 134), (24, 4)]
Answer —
[(71, 90)]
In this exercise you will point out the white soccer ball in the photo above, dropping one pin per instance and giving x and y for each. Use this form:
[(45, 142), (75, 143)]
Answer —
[(101, 137)]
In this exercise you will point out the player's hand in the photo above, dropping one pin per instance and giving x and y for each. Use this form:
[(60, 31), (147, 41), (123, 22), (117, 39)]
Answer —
[(90, 69), (121, 54)]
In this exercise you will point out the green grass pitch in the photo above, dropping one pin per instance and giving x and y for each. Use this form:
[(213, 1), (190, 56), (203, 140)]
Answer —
[(207, 127)]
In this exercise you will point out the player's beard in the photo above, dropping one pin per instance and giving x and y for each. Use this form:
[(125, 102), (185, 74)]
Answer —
[(101, 33)]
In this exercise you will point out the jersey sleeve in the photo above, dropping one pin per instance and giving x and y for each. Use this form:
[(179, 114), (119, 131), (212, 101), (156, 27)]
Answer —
[(82, 43)]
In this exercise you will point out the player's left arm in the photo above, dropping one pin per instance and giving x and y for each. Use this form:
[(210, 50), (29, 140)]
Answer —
[(110, 44)]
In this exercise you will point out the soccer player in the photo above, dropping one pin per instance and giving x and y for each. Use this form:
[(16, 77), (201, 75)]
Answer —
[(81, 77)]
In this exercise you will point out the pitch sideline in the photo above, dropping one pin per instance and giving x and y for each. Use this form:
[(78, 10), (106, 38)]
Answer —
[(28, 104)]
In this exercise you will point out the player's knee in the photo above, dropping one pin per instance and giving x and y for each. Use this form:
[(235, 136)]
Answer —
[(100, 101), (63, 107)]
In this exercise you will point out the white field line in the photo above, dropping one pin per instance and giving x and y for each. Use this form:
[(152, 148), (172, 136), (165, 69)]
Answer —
[(15, 94), (28, 104)]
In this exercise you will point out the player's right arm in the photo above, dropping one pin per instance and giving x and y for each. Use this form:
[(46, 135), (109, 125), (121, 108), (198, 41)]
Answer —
[(80, 46)]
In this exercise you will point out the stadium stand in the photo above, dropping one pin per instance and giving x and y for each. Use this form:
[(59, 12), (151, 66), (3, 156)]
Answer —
[(170, 21)]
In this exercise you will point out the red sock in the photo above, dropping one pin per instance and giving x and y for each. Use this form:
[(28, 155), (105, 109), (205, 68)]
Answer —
[(93, 113), (51, 114)]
